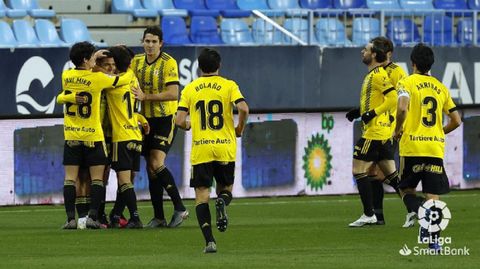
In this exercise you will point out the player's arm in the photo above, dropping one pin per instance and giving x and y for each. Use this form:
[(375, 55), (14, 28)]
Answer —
[(143, 122), (402, 110), (170, 94), (181, 119), (454, 121), (243, 112), (67, 96)]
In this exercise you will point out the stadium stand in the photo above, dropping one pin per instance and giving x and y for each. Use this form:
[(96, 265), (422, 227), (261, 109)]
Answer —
[(364, 29), (25, 34), (164, 8), (438, 30), (259, 5), (290, 7), (132, 7), (11, 13), (383, 4), (228, 8), (204, 30), (196, 8), (415, 5), (175, 31), (316, 4), (474, 4), (265, 33), (349, 4), (465, 31), (331, 32), (47, 34), (7, 38), (235, 32), (73, 30), (32, 8), (298, 27), (403, 32)]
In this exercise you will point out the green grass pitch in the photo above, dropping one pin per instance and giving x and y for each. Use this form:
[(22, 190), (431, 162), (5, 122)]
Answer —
[(288, 232)]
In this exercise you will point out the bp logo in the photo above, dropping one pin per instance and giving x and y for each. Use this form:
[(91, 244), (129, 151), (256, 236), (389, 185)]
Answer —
[(434, 215), (316, 162)]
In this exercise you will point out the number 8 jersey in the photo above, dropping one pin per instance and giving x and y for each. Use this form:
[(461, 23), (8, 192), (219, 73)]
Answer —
[(82, 122), (423, 128), (209, 101)]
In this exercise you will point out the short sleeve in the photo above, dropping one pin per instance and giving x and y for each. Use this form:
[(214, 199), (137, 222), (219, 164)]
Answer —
[(184, 102), (382, 81), (170, 74), (236, 95), (449, 106), (402, 88)]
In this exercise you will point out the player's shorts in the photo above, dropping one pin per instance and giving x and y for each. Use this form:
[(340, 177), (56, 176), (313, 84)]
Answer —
[(426, 169), (108, 144), (374, 150), (83, 153), (126, 155), (162, 133), (203, 174)]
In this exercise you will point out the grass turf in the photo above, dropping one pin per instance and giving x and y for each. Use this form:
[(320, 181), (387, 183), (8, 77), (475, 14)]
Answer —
[(287, 232)]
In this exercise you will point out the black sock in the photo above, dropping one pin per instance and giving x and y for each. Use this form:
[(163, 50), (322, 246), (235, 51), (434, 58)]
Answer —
[(101, 208), (392, 180), (128, 195), (96, 193), (365, 190), (119, 205), (156, 195), (69, 194), (204, 221), (82, 207), (412, 202), (377, 195), (226, 196), (168, 183)]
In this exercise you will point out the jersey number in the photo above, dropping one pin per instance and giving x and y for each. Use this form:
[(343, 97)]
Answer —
[(431, 117), (215, 114), (83, 110)]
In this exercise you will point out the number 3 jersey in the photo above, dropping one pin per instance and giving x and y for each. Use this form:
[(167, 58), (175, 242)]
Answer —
[(423, 129), (82, 122), (210, 101)]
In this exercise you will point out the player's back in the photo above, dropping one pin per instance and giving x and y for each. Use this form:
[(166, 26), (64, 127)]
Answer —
[(423, 129), (210, 100)]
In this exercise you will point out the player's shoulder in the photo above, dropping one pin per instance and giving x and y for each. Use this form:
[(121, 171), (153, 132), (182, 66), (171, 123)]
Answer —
[(166, 57)]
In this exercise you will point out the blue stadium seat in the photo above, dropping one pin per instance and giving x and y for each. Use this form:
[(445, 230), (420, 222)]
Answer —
[(298, 27), (465, 31), (235, 32), (438, 30), (364, 29), (7, 38), (25, 34), (204, 30), (474, 4), (196, 8), (74, 30), (228, 8), (316, 4), (47, 34), (132, 7), (290, 7), (32, 8), (264, 33), (11, 13), (331, 32), (259, 5), (416, 4), (383, 4), (348, 4), (450, 4), (175, 31), (402, 31), (164, 8)]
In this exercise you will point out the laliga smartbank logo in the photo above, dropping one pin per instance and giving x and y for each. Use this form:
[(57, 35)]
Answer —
[(433, 217)]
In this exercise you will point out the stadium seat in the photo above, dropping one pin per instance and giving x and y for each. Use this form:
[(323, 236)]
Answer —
[(438, 30), (235, 32), (416, 4), (32, 8), (74, 30), (260, 5), (298, 27), (228, 8), (383, 4), (175, 31), (132, 7), (349, 4), (450, 4), (47, 34), (204, 30), (164, 8), (474, 4), (196, 8), (264, 33), (11, 13), (7, 38), (402, 31), (465, 31), (364, 29), (24, 34), (290, 7), (316, 4), (331, 32)]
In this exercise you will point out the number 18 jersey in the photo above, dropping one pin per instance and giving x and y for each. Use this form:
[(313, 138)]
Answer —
[(210, 100), (423, 134)]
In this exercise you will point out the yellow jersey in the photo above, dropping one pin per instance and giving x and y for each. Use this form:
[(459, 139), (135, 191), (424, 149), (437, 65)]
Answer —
[(423, 134), (210, 101), (375, 87), (153, 79), (121, 111), (83, 122), (395, 73)]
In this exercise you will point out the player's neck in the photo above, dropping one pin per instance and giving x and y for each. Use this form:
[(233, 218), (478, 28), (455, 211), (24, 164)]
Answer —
[(373, 65), (210, 74), (152, 57)]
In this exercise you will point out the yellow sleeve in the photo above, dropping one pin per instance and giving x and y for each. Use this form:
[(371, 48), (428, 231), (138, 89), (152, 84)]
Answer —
[(396, 75), (449, 106), (389, 102), (66, 96), (141, 118), (236, 94), (170, 73), (184, 102), (382, 83), (106, 81)]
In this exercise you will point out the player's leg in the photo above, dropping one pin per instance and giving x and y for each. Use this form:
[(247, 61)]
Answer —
[(377, 176), (224, 174), (407, 189), (127, 193), (102, 216), (387, 167), (72, 159), (96, 158), (201, 181), (82, 202)]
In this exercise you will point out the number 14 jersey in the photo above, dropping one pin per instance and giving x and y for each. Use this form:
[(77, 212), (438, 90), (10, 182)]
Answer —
[(210, 100)]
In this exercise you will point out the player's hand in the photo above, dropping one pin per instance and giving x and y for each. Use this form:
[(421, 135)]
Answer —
[(80, 99), (188, 125), (100, 54), (139, 94), (146, 128), (368, 116), (353, 114), (397, 134), (238, 131)]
